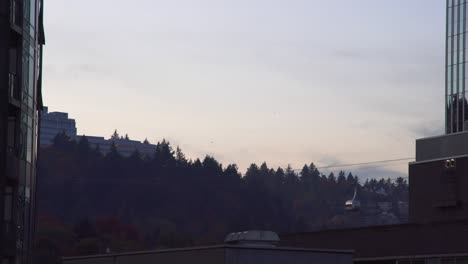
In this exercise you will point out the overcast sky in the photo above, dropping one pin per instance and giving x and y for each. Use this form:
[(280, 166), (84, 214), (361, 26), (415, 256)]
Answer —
[(281, 81)]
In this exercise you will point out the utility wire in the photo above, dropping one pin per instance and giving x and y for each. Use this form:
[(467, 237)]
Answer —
[(362, 163), (376, 166)]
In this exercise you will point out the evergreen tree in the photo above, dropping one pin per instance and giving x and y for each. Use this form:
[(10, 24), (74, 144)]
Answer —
[(350, 179), (305, 173), (126, 137), (232, 171), (113, 152), (180, 157), (164, 155), (115, 135), (64, 141), (212, 166), (290, 176), (341, 178), (135, 156), (83, 146), (331, 178), (97, 150), (280, 175)]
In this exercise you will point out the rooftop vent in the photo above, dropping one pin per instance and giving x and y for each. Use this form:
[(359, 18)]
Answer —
[(253, 238)]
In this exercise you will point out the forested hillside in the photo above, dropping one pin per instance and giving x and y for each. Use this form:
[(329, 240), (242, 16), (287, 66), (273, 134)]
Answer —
[(89, 203)]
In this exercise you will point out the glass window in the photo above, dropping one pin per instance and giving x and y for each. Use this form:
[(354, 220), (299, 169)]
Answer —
[(449, 45), (449, 74), (26, 8), (448, 114), (449, 28), (449, 88), (462, 11), (31, 77), (32, 16), (460, 85), (460, 25), (450, 14), (462, 71), (30, 145), (465, 104)]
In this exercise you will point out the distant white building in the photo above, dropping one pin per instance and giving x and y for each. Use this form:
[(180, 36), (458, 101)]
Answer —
[(125, 147), (54, 123)]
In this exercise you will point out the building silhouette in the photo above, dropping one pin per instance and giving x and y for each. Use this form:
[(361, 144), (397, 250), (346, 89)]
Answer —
[(456, 105), (53, 123), (21, 40), (125, 147), (238, 248)]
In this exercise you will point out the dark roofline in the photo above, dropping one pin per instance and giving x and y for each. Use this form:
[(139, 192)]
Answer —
[(162, 251), (380, 227), (412, 257)]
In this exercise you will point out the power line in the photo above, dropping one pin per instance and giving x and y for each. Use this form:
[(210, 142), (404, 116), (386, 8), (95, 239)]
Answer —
[(379, 166), (362, 163)]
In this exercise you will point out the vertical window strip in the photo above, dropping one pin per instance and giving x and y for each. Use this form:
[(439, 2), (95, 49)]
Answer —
[(462, 69), (456, 89), (448, 88)]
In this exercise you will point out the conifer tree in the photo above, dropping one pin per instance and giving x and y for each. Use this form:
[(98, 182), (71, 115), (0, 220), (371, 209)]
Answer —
[(115, 135)]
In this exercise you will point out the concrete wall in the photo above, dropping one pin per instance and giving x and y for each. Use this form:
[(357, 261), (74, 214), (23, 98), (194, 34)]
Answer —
[(389, 241), (442, 147), (438, 193)]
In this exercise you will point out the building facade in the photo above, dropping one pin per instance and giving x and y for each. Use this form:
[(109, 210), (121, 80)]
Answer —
[(456, 103), (21, 40), (54, 123), (125, 147)]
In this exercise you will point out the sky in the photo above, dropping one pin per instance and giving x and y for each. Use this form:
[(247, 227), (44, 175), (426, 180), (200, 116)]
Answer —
[(248, 81)]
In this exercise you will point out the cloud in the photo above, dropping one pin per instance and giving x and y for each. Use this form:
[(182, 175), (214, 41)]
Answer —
[(350, 54), (427, 129), (379, 172), (372, 171)]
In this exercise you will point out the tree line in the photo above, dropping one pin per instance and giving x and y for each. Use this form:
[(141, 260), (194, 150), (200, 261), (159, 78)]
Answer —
[(91, 203)]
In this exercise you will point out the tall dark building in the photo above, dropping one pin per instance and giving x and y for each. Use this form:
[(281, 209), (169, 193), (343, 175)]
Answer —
[(456, 103), (21, 40)]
